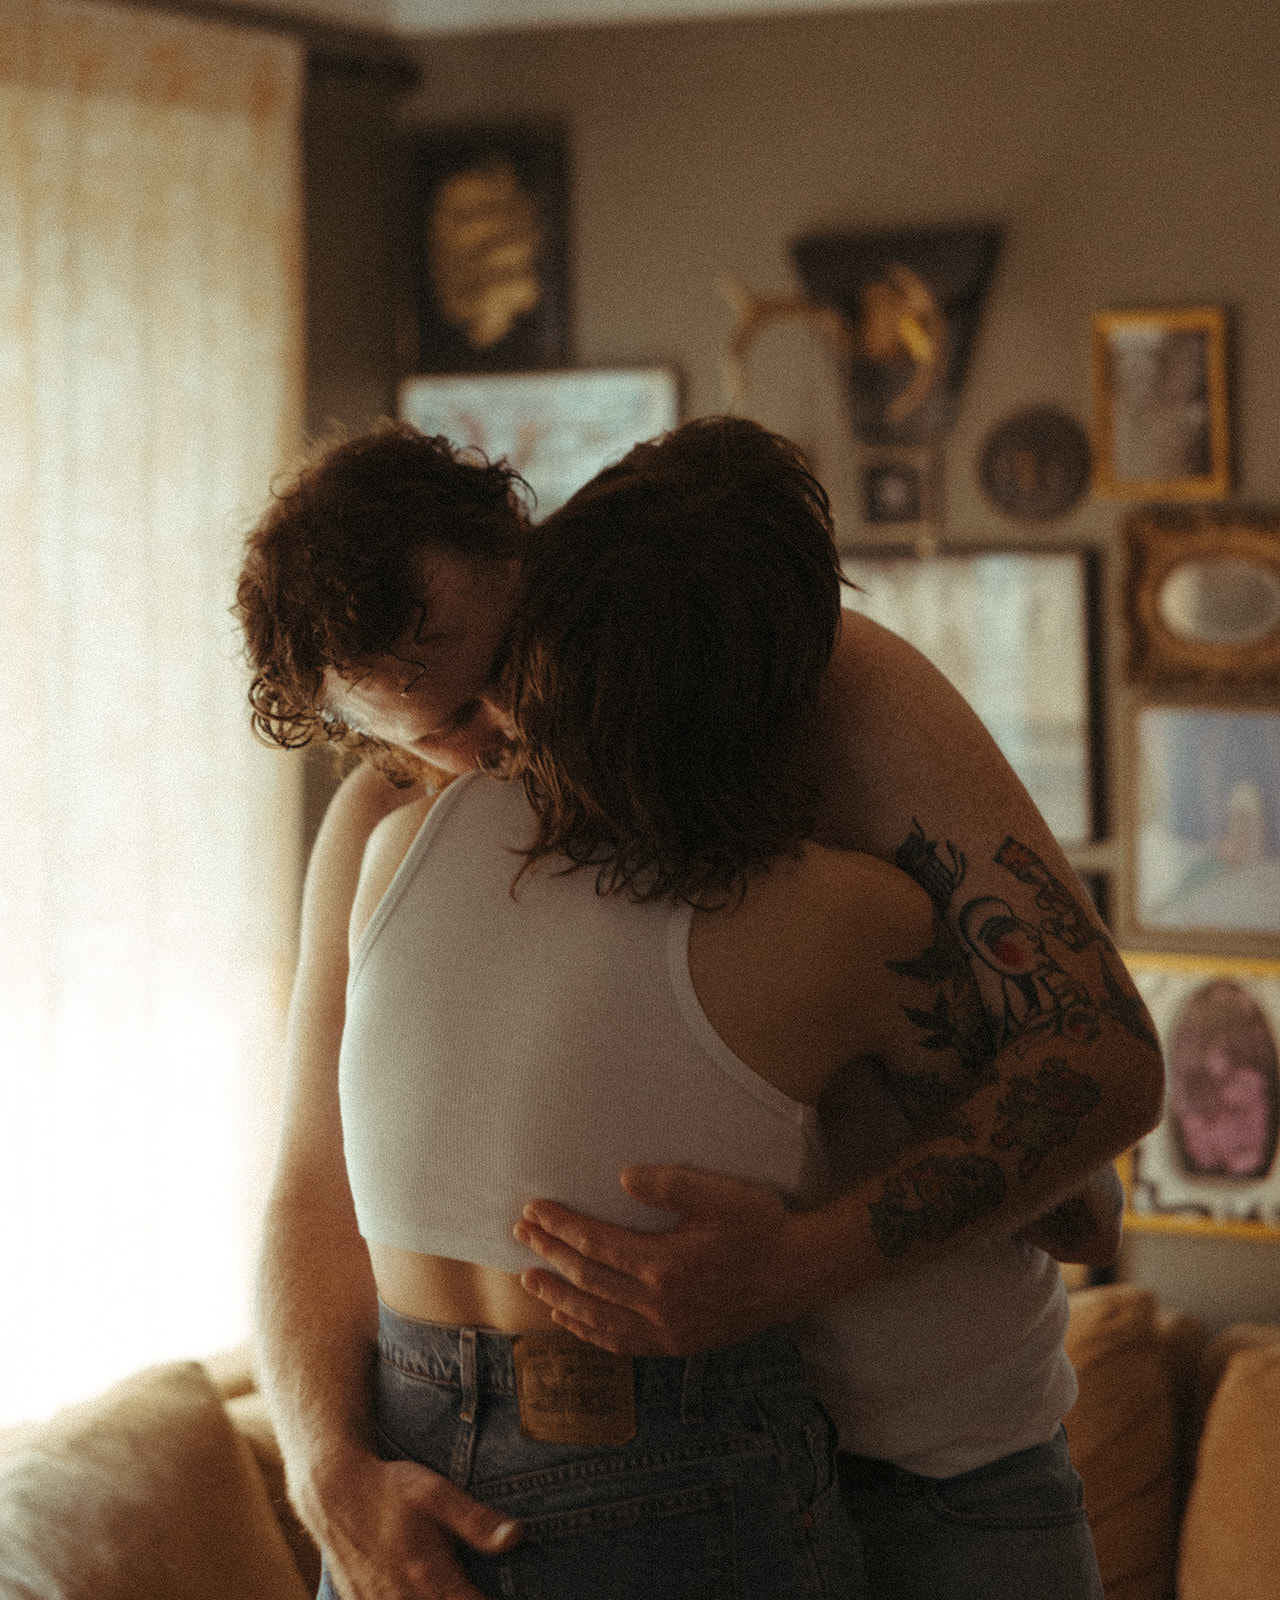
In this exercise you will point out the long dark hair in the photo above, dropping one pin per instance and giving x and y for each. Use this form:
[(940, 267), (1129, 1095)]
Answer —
[(679, 614)]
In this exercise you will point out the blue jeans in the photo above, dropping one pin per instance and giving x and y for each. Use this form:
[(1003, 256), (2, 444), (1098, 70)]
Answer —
[(1012, 1530), (728, 1490)]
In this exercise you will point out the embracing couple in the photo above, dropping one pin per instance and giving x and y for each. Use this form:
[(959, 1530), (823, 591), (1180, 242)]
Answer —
[(660, 867)]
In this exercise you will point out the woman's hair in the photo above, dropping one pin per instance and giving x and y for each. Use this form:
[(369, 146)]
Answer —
[(328, 578), (679, 614)]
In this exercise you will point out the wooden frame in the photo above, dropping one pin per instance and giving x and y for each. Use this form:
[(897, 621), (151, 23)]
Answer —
[(1203, 836), (1160, 404), (1183, 633), (1017, 630), (557, 429), (1212, 1165)]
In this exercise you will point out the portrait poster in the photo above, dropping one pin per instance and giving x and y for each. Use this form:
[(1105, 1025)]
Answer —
[(1207, 820), (1211, 1165), (1012, 630), (557, 429)]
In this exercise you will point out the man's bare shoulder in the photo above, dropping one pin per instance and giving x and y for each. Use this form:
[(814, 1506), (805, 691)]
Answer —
[(873, 912)]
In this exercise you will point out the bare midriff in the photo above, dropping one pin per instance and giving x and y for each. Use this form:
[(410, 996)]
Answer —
[(438, 1289)]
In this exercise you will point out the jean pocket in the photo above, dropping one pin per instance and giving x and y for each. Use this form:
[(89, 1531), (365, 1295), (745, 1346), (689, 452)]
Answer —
[(1033, 1489), (678, 1542)]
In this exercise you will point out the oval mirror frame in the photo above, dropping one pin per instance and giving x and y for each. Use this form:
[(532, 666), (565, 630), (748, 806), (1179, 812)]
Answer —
[(1225, 601)]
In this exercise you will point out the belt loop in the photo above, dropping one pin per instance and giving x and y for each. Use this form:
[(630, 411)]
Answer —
[(464, 1443), (691, 1391)]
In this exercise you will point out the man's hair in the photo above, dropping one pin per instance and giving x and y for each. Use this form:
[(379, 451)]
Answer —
[(328, 579), (679, 614)]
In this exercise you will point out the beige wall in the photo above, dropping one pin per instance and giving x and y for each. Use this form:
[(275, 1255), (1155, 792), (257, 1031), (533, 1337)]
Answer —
[(1129, 147)]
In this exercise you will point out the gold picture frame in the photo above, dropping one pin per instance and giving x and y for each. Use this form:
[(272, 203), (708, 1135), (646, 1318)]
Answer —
[(1212, 1166), (1161, 427), (1202, 599)]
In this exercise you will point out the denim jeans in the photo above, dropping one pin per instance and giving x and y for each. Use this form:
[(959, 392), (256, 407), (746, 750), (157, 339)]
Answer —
[(728, 1491), (1012, 1530)]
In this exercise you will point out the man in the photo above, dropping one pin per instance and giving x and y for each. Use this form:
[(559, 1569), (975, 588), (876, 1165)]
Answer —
[(393, 568)]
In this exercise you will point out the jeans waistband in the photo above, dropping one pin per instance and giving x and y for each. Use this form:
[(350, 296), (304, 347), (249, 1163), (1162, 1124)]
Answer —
[(462, 1357)]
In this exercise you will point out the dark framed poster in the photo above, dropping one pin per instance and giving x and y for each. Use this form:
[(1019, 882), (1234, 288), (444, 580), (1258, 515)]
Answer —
[(492, 251)]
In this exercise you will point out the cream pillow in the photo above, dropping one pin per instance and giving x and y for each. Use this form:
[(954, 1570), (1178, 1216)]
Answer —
[(1231, 1533), (146, 1493), (1122, 1438)]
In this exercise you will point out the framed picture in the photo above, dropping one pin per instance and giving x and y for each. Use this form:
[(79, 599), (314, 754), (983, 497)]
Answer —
[(1035, 464), (1211, 1166), (1202, 599), (1160, 404), (1206, 822), (492, 249), (557, 429), (1016, 631)]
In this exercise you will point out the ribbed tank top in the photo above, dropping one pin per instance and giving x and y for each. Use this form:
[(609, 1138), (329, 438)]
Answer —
[(502, 1047)]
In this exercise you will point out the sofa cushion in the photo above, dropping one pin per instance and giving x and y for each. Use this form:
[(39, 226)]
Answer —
[(145, 1493), (1122, 1438), (253, 1423), (1231, 1534)]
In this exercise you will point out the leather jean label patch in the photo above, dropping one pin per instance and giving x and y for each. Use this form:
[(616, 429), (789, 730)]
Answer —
[(571, 1392)]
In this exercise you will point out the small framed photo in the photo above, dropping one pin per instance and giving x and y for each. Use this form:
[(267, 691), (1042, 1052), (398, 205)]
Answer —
[(1017, 632), (492, 249), (557, 429), (1202, 599), (1206, 823), (1160, 404), (1211, 1166)]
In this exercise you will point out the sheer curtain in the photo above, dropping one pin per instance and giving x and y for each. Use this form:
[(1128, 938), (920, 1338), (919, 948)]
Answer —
[(149, 386)]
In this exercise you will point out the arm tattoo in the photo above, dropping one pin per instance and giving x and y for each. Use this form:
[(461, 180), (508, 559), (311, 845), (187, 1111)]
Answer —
[(932, 1201), (1035, 1115)]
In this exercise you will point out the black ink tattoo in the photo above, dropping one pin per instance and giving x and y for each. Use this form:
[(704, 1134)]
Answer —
[(1064, 914), (921, 859), (1035, 1115), (932, 1201)]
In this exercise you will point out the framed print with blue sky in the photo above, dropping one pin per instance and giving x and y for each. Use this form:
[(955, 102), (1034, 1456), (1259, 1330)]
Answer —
[(1206, 823)]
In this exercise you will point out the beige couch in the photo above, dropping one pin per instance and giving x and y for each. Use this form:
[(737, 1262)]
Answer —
[(170, 1487)]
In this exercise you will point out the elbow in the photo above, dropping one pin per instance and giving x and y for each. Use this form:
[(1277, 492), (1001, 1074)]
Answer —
[(1141, 1102)]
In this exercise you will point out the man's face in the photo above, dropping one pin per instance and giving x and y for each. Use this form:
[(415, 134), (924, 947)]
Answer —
[(437, 694)]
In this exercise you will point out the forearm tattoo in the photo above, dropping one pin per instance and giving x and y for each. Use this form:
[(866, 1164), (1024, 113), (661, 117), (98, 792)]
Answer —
[(935, 1199), (990, 982), (1037, 1114)]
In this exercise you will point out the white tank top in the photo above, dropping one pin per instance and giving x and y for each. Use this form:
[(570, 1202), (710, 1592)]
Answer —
[(952, 1365), (498, 1049)]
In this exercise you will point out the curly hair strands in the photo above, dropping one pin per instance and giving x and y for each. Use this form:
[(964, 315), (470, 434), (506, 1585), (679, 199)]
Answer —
[(679, 614), (328, 578)]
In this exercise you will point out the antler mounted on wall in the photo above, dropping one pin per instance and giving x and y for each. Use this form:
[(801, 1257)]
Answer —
[(900, 320), (900, 310)]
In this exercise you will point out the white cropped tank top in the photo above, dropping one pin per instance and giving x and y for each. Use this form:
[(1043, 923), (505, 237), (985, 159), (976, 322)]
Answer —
[(498, 1049)]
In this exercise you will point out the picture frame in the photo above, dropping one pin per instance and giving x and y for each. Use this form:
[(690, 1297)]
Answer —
[(1212, 1166), (1202, 599), (1017, 631), (1204, 824), (491, 249), (1035, 465), (557, 429), (1160, 404)]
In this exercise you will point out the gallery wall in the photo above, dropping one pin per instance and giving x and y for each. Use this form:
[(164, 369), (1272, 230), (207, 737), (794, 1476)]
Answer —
[(1127, 147)]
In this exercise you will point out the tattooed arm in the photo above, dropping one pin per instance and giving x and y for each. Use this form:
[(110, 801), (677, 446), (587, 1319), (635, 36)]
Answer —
[(1027, 1061)]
